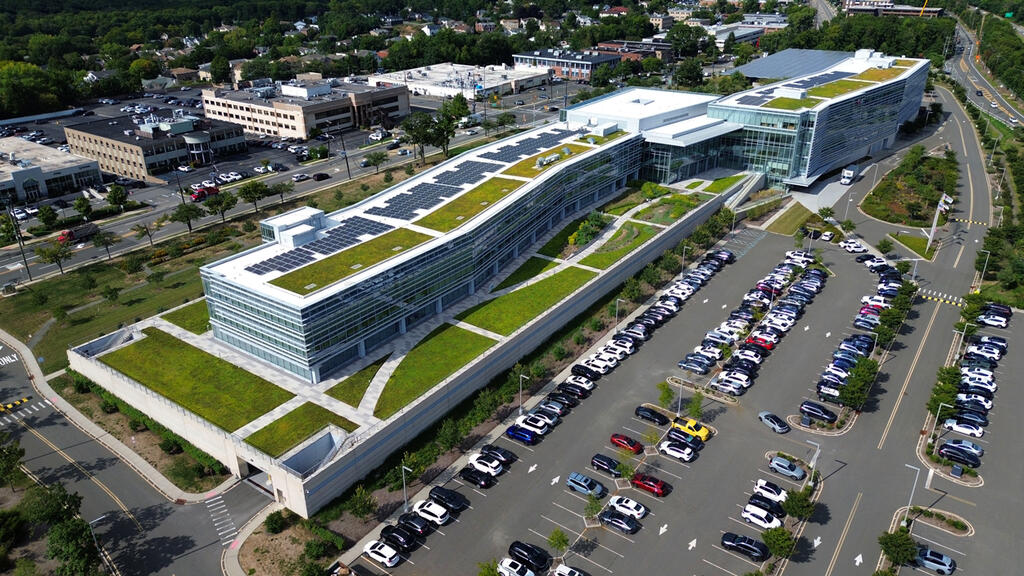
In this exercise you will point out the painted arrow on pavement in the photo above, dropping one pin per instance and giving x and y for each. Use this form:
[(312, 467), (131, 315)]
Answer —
[(857, 561), (532, 468), (817, 541), (692, 544), (663, 529), (555, 480)]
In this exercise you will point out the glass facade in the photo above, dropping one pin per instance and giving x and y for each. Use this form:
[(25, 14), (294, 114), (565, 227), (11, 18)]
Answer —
[(314, 339), (665, 163)]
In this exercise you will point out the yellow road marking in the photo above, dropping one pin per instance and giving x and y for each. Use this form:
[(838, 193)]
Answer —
[(842, 537), (910, 373)]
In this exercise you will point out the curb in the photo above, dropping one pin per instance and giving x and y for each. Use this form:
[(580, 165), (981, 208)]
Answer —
[(229, 563)]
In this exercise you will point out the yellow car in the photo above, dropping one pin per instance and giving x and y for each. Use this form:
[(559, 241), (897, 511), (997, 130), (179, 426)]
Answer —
[(692, 427)]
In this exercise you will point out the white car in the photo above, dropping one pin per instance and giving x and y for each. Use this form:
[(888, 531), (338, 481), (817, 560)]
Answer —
[(381, 553), (731, 331), (566, 570), (876, 261), (737, 323), (888, 286), (195, 187), (617, 353), (580, 381), (259, 169), (676, 450), (877, 301), (432, 511), (984, 383), (533, 424), (749, 355), (976, 398), (801, 262), (760, 518), (833, 369), (827, 236), (486, 463), (510, 567), (709, 351), (977, 372), (780, 322), (727, 387), (550, 419), (225, 177), (964, 428), (235, 176), (985, 351), (627, 506), (622, 345), (799, 254), (737, 377), (853, 247), (678, 293), (991, 320), (598, 365), (765, 336), (669, 305), (209, 184), (770, 490)]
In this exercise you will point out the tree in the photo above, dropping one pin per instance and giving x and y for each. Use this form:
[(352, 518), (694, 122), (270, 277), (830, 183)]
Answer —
[(848, 226), (489, 568), (631, 290), (914, 210), (695, 408), (593, 507), (220, 204), (419, 131), (71, 543), (505, 119), (826, 212), (686, 40), (253, 192), (111, 293), (884, 246), (885, 335), (899, 547), (558, 541), (147, 230), (83, 207), (282, 188), (730, 42), (362, 504), (54, 252), (799, 504), (47, 215), (50, 504), (144, 68), (186, 213), (376, 159), (779, 541), (117, 196), (11, 454), (665, 394), (689, 72), (601, 76), (751, 6), (105, 240), (220, 69)]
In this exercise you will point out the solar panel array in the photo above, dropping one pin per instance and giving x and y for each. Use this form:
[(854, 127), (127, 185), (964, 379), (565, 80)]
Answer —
[(338, 238), (468, 172), (754, 99), (818, 80), (527, 146), (419, 197)]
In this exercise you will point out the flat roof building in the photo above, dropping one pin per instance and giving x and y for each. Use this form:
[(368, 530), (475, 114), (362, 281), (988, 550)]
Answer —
[(888, 8), (564, 64), (448, 79), (30, 172), (295, 109), (638, 50), (740, 33), (156, 145)]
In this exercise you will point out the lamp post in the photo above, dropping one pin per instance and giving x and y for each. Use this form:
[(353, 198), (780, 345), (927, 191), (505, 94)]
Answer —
[(617, 300), (344, 152), (984, 268), (963, 333), (934, 424), (917, 472), (95, 542), (405, 495), (679, 400), (521, 376), (992, 156), (814, 461), (17, 234)]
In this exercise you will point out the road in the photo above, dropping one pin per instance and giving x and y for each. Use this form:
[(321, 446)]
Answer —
[(964, 69), (825, 12)]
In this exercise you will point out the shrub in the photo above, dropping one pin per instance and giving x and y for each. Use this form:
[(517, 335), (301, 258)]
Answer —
[(317, 548), (275, 522), (249, 226), (108, 407), (170, 446), (559, 352), (136, 425), (595, 324)]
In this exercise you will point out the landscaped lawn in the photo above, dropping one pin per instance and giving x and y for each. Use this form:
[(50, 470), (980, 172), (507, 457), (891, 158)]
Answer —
[(435, 358), (317, 275), (836, 88), (722, 184), (631, 199), (909, 194), (879, 74), (791, 220), (694, 185), (351, 389), (529, 269), (195, 317), (553, 247), (506, 314), (669, 209), (625, 240), (601, 140), (214, 389), (904, 63), (783, 103), (283, 434), (528, 168), (464, 207), (915, 243)]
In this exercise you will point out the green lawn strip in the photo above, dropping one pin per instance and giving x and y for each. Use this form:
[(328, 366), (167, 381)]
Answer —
[(722, 184), (286, 432), (351, 389), (601, 140), (333, 268), (214, 389), (625, 240), (624, 203), (669, 209), (529, 269), (783, 103), (915, 243), (908, 194), (879, 74), (994, 292), (694, 185), (836, 88), (505, 314), (528, 168), (435, 358), (904, 63), (195, 317), (791, 220), (464, 207), (552, 248)]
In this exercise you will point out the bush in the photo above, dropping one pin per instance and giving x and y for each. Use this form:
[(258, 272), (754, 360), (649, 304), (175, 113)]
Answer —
[(559, 352), (595, 324), (316, 549), (275, 522), (249, 226), (170, 446), (108, 407)]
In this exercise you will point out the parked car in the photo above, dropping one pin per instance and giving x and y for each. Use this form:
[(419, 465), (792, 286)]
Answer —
[(777, 425), (585, 485), (619, 521), (817, 411), (432, 511), (606, 464), (522, 435), (650, 484), (934, 561), (786, 467), (530, 554), (759, 517), (510, 567), (398, 537), (959, 456), (623, 441), (627, 506), (381, 553), (476, 478), (503, 455), (770, 490), (749, 547), (651, 415), (414, 523)]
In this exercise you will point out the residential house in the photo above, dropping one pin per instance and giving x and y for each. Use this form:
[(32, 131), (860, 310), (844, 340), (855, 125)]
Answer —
[(484, 26), (613, 11), (661, 22)]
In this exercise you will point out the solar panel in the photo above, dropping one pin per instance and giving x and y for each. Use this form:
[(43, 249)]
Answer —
[(345, 234), (527, 146)]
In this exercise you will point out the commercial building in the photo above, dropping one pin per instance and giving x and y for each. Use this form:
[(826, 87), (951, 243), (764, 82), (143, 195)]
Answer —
[(297, 108), (637, 50), (30, 172), (564, 64), (448, 79), (888, 8), (156, 145), (740, 33)]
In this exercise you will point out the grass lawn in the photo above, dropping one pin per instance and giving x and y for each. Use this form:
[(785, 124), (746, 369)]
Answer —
[(435, 358), (217, 390), (291, 429), (529, 269), (528, 168), (195, 317), (552, 248), (994, 292), (915, 243), (722, 184), (836, 88), (322, 273), (506, 314), (625, 240), (879, 74), (601, 140), (791, 220), (669, 209), (351, 389), (631, 199), (464, 207), (904, 63), (909, 194), (792, 103), (694, 185)]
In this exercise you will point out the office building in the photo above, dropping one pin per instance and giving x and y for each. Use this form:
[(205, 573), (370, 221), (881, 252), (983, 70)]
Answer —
[(888, 8), (564, 64), (296, 109), (637, 50), (30, 172), (448, 79)]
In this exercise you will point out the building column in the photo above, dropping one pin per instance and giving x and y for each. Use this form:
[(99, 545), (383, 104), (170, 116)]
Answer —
[(401, 326), (515, 252), (494, 269), (438, 306), (472, 286), (361, 348)]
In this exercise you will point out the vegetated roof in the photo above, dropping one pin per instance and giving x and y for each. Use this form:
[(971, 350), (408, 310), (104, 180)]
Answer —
[(792, 62)]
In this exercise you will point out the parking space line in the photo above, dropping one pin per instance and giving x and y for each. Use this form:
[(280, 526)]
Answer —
[(567, 510), (633, 431), (742, 523), (605, 568), (424, 546), (601, 472), (942, 545), (623, 536), (480, 493), (706, 561), (663, 471), (564, 527), (777, 477), (516, 444), (437, 531), (735, 555), (574, 495)]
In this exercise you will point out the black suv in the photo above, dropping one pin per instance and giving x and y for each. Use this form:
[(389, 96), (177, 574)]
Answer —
[(651, 415), (753, 549), (817, 411), (606, 464), (564, 399), (581, 370), (502, 455), (770, 505), (998, 309), (476, 477), (398, 537), (573, 390), (959, 456), (530, 554), (450, 499), (414, 523)]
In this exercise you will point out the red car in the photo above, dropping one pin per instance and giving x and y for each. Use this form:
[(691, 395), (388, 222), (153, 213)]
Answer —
[(762, 342), (649, 483), (870, 310), (623, 441)]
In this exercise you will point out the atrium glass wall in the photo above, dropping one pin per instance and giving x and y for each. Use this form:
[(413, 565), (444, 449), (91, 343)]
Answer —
[(666, 163)]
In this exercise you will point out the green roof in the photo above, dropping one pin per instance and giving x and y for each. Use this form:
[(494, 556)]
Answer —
[(325, 272), (879, 74), (528, 168), (464, 207), (836, 88), (294, 427), (602, 140), (792, 103)]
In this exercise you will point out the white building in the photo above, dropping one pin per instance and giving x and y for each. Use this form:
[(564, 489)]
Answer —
[(30, 172), (448, 79)]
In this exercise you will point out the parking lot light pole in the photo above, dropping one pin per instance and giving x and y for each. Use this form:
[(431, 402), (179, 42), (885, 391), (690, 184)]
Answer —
[(679, 401), (984, 268), (617, 300), (96, 542), (521, 376), (814, 461), (917, 472), (405, 495), (934, 424), (963, 334)]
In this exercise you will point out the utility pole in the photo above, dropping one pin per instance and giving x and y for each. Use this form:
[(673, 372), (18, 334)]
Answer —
[(344, 151)]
